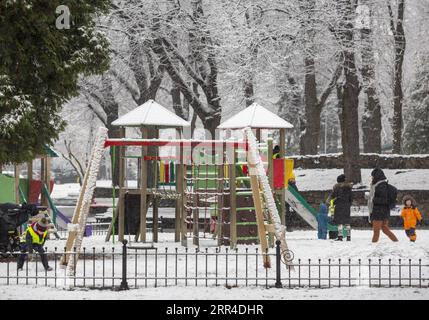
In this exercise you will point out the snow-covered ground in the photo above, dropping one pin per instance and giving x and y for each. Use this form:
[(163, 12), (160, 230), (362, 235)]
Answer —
[(14, 292), (303, 243), (324, 179)]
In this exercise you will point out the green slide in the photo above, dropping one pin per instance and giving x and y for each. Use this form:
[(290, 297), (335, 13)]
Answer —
[(304, 209)]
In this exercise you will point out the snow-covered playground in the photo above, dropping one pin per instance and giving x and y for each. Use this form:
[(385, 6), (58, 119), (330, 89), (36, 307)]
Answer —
[(215, 276)]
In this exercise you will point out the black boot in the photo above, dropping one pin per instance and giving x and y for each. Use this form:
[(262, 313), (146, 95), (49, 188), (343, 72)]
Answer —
[(348, 238), (340, 238)]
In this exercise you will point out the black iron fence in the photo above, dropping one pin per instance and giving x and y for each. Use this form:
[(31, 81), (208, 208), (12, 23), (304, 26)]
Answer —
[(138, 266)]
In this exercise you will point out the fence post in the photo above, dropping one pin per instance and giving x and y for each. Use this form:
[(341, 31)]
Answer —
[(278, 261), (124, 283)]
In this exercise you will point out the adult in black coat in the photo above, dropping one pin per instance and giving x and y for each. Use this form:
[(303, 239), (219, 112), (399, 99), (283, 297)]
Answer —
[(342, 193), (378, 205), (343, 197)]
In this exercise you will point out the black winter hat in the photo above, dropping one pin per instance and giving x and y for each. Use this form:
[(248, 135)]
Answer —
[(341, 178), (378, 175)]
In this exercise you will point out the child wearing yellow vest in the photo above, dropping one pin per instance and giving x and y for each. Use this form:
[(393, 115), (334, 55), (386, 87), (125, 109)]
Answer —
[(34, 238), (411, 216)]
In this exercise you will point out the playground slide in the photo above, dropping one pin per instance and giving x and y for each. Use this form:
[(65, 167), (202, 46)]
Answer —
[(62, 220), (59, 218), (303, 208)]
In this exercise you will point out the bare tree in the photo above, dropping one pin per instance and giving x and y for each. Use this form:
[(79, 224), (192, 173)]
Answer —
[(205, 72), (371, 118), (73, 160), (349, 92), (398, 95)]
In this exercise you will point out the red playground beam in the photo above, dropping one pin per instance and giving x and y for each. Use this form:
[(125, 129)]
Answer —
[(175, 143)]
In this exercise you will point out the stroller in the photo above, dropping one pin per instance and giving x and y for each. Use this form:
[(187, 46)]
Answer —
[(12, 216)]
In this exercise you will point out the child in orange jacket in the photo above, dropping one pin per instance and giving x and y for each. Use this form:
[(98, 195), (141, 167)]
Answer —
[(411, 216)]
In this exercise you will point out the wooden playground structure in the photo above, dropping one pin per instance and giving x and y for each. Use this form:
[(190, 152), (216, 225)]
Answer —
[(208, 179), (223, 189)]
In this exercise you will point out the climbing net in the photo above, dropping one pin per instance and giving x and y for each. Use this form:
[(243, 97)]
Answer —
[(206, 187)]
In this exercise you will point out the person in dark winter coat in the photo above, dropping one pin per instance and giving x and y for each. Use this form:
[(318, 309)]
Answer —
[(343, 197), (34, 238), (322, 222), (378, 205)]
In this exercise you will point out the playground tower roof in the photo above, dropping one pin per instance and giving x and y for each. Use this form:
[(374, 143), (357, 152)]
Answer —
[(151, 113), (257, 117)]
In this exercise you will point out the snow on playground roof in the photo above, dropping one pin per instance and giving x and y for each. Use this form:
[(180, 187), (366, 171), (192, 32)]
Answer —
[(150, 113), (255, 116)]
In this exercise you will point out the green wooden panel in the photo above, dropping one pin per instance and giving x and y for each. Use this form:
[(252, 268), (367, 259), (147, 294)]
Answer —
[(7, 189), (24, 185)]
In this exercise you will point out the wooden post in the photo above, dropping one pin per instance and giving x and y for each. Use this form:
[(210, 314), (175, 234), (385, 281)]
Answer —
[(258, 135), (183, 200), (179, 181), (270, 179), (195, 220), (155, 218), (270, 163), (115, 217), (260, 218), (283, 194), (75, 220), (232, 202), (16, 173), (195, 213), (143, 188), (139, 165), (29, 178), (76, 214), (177, 210), (121, 196), (43, 199), (155, 198), (86, 194), (221, 195)]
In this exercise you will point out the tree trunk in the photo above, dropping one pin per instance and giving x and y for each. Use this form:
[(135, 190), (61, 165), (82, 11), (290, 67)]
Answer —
[(290, 107), (351, 122), (111, 108), (177, 101), (350, 99), (248, 91), (398, 96), (310, 139), (252, 19), (371, 118), (332, 137)]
